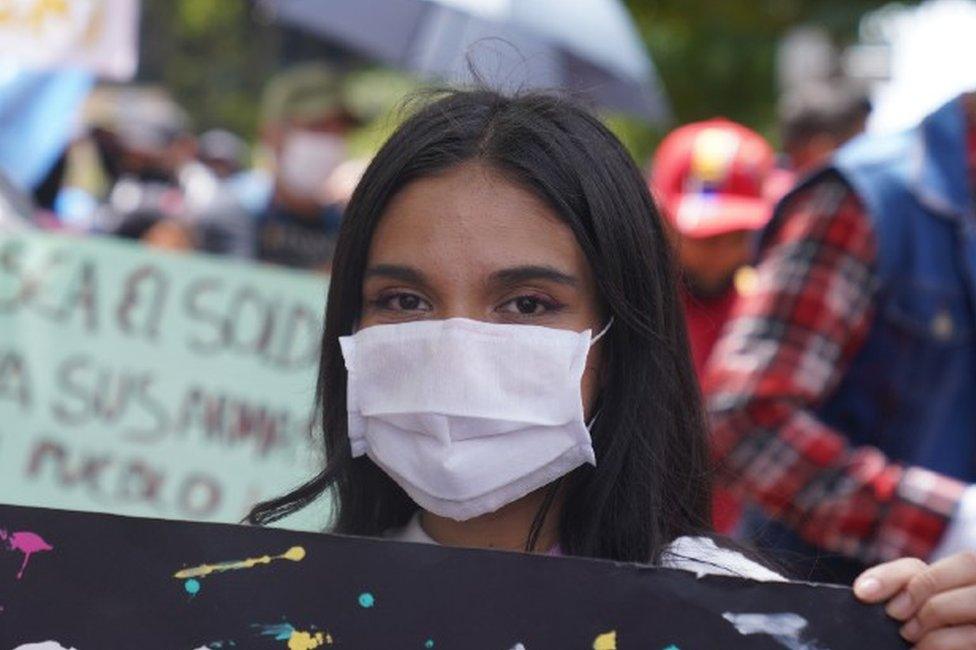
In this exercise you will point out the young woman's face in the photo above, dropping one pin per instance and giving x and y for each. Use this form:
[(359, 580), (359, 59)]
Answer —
[(471, 244)]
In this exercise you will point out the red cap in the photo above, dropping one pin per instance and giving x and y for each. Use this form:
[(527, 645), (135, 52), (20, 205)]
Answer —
[(708, 177)]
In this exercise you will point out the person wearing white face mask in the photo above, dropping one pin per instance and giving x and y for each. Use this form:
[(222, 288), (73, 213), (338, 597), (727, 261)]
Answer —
[(468, 387), (462, 398), (305, 121)]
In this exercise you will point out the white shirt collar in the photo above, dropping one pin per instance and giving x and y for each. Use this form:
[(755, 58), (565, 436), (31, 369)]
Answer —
[(700, 555)]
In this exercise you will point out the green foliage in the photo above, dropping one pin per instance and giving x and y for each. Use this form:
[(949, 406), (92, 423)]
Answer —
[(213, 55), (718, 57)]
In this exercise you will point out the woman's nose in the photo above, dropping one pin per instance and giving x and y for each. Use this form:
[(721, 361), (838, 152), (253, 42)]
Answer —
[(463, 308)]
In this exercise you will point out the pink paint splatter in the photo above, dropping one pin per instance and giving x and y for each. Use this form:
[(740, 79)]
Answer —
[(26, 543)]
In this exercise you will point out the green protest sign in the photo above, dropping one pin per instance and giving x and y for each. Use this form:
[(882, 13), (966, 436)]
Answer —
[(153, 384)]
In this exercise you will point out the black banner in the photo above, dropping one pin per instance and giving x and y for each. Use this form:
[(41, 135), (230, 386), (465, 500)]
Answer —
[(96, 582)]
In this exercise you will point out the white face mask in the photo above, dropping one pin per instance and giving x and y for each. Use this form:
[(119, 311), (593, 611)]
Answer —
[(468, 416), (308, 160)]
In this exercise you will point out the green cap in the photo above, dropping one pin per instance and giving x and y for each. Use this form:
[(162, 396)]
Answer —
[(305, 92)]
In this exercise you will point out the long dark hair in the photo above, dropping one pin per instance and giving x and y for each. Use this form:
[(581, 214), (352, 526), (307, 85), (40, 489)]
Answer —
[(651, 480)]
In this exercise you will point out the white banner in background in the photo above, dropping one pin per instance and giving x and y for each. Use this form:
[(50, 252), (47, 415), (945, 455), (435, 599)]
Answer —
[(97, 35), (150, 384)]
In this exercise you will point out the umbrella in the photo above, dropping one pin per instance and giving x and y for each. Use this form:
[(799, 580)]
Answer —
[(589, 47)]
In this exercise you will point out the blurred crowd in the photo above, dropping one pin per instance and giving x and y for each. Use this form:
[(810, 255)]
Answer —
[(829, 299), (138, 171), (717, 182)]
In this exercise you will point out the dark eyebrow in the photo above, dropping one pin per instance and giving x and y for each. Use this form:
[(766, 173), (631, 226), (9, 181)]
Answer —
[(519, 274), (396, 272)]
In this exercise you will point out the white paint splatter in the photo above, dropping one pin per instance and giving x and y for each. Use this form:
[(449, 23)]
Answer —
[(43, 645), (788, 624), (703, 557), (786, 628)]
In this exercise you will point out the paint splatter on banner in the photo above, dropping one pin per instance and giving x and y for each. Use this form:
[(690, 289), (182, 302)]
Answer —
[(26, 543), (192, 586), (786, 628), (297, 639), (366, 600), (295, 554), (606, 641)]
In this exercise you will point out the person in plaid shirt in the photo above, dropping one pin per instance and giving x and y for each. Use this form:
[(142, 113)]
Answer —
[(842, 393)]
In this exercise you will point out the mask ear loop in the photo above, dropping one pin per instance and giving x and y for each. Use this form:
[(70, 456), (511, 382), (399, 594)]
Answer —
[(589, 425), (606, 328), (600, 335)]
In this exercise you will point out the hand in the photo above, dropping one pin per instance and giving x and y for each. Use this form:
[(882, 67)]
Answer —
[(936, 602)]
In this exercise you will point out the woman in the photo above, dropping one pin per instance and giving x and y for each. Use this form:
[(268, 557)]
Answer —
[(463, 399)]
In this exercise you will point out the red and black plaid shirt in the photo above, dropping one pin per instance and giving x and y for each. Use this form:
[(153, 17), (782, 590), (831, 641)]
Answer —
[(783, 352)]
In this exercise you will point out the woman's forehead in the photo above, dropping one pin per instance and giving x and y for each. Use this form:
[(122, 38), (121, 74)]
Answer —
[(473, 217)]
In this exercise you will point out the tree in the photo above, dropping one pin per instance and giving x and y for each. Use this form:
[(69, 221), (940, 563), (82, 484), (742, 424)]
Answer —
[(213, 55), (719, 57)]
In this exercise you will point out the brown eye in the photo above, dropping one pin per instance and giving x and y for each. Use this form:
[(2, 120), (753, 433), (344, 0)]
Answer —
[(408, 302), (403, 302), (527, 306), (530, 305)]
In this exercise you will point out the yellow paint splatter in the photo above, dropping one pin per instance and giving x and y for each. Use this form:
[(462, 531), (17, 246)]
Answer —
[(606, 641), (295, 554), (307, 641)]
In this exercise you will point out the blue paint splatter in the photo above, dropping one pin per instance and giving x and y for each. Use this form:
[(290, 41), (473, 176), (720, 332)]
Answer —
[(366, 600), (672, 647), (192, 586), (429, 643), (280, 631)]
